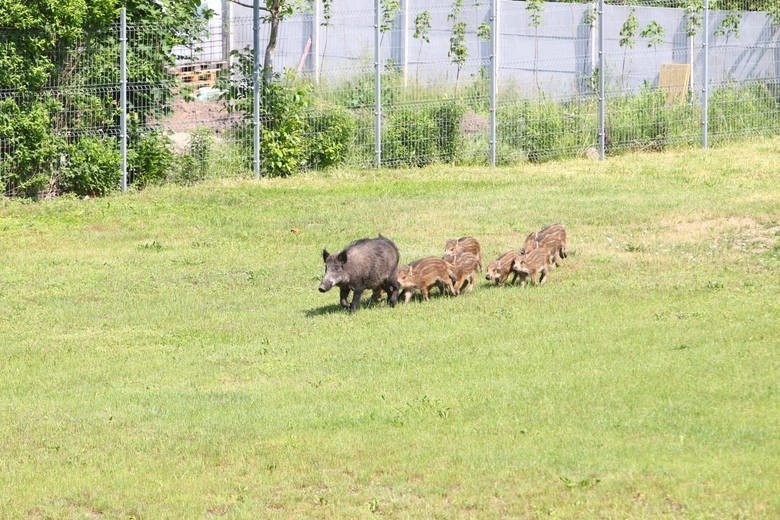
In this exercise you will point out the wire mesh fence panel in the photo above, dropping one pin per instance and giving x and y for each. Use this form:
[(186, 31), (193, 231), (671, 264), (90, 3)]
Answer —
[(671, 70), (62, 119), (744, 71), (656, 77)]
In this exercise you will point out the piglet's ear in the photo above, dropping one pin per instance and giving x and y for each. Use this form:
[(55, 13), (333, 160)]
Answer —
[(325, 255), (343, 257)]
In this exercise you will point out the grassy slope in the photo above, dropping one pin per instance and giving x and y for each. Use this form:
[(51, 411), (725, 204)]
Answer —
[(166, 353)]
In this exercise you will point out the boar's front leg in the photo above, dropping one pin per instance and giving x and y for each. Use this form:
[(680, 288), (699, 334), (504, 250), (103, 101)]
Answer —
[(356, 295), (392, 292), (343, 295)]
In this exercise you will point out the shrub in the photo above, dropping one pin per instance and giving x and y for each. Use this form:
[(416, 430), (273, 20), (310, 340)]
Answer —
[(361, 93), (410, 138), (741, 110), (545, 130), (331, 133), (30, 150), (282, 138), (193, 165), (149, 160), (637, 121), (201, 142), (92, 167), (447, 117)]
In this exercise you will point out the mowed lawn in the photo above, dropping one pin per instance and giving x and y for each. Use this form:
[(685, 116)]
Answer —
[(166, 354)]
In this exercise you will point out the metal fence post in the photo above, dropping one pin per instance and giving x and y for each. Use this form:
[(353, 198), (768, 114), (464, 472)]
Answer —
[(256, 89), (226, 32), (494, 25), (316, 40), (377, 88), (123, 94), (602, 87), (705, 80), (405, 41)]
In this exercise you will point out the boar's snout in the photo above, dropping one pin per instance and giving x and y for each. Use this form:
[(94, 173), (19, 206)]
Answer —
[(325, 286)]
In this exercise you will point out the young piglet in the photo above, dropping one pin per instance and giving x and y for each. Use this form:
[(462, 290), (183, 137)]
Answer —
[(554, 236), (424, 274), (499, 269), (532, 264), (457, 246), (464, 269)]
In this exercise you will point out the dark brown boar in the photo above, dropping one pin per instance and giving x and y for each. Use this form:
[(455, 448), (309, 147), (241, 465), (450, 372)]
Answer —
[(499, 269), (532, 264), (423, 274), (456, 246), (464, 267), (368, 263)]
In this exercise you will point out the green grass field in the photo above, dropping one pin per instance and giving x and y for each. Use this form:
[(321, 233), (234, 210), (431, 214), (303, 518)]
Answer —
[(166, 354)]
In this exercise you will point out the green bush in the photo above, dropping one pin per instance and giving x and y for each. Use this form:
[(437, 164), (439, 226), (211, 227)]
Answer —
[(449, 139), (193, 165), (410, 138), (201, 142), (360, 93), (283, 132), (92, 167), (149, 160), (415, 138), (637, 121), (331, 134), (545, 130), (30, 150), (742, 110)]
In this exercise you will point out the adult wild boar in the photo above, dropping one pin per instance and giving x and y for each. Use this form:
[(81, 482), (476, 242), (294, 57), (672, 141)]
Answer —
[(368, 263)]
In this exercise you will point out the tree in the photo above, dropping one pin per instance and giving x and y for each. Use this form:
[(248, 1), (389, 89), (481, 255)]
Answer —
[(390, 9), (422, 31), (458, 51), (62, 53), (535, 8), (274, 12), (327, 14), (628, 39), (654, 33)]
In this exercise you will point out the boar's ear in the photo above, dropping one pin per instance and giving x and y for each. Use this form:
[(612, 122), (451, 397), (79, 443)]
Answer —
[(325, 255), (343, 257)]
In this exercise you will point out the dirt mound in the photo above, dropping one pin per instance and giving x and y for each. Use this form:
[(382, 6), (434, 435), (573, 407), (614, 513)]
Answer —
[(190, 115)]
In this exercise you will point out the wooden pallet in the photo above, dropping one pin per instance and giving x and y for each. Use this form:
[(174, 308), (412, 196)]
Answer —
[(674, 79), (197, 75)]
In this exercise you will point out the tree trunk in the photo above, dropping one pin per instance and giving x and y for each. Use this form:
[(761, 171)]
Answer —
[(275, 17)]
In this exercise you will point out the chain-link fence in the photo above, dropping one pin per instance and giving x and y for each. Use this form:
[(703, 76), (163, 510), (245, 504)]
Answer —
[(412, 82)]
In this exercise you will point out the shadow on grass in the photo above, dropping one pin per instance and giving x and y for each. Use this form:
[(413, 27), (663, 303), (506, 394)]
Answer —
[(335, 308), (325, 309)]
